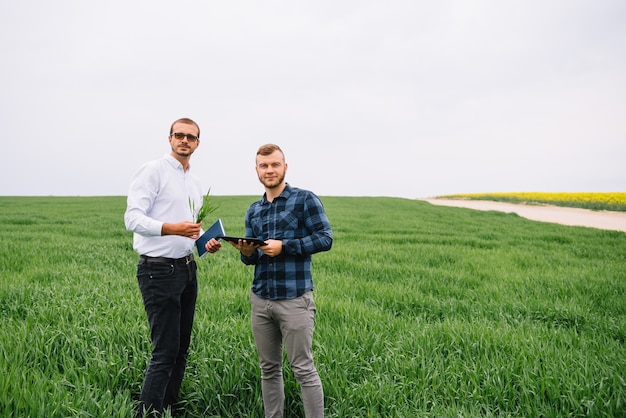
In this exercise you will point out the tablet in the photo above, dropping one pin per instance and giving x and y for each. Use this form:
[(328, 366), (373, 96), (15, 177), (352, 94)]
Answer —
[(235, 240)]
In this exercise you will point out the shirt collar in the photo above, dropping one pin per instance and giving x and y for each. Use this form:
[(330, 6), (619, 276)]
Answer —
[(175, 163), (284, 194)]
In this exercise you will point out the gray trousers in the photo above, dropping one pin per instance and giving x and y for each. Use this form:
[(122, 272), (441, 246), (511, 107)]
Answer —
[(291, 321)]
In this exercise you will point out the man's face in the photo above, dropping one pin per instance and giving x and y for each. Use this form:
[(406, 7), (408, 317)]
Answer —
[(271, 169), (184, 146)]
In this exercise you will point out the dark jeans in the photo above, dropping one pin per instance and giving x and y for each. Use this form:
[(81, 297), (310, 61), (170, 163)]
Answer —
[(169, 292)]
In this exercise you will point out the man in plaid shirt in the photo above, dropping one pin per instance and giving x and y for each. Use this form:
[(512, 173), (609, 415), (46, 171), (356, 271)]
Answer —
[(294, 226)]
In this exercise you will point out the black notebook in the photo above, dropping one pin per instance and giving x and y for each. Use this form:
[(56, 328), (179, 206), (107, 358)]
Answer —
[(215, 231)]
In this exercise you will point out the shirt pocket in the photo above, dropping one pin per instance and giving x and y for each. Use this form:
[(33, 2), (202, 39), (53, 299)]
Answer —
[(256, 224), (288, 224)]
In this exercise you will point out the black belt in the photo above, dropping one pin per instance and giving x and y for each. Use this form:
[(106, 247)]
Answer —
[(187, 259)]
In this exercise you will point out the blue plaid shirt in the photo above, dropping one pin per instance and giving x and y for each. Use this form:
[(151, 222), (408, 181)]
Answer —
[(297, 218)]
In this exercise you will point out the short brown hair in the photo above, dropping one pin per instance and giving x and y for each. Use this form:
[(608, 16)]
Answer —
[(186, 121), (267, 149)]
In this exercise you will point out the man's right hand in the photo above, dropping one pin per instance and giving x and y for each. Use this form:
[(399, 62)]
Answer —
[(184, 229), (246, 248)]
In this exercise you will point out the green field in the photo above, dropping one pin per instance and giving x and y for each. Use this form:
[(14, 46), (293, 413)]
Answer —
[(423, 311)]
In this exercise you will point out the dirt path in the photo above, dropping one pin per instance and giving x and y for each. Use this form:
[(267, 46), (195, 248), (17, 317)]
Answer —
[(566, 216)]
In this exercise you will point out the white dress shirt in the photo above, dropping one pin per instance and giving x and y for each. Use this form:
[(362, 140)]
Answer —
[(160, 193)]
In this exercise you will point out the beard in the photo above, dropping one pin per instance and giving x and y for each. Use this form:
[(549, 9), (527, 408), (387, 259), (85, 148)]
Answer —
[(274, 182), (182, 152)]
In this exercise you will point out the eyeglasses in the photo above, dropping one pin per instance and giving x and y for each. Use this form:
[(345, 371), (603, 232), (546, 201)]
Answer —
[(180, 136)]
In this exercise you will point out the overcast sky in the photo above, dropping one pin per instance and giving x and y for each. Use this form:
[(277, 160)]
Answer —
[(401, 98)]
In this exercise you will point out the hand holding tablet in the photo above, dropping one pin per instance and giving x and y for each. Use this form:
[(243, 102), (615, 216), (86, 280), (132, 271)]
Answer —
[(249, 240)]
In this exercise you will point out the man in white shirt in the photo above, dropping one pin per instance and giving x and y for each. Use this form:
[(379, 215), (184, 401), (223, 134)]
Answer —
[(159, 214)]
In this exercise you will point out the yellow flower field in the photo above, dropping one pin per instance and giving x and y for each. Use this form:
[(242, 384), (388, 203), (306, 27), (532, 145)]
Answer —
[(614, 201)]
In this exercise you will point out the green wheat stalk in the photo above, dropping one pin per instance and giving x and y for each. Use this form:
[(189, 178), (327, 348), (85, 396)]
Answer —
[(206, 208)]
